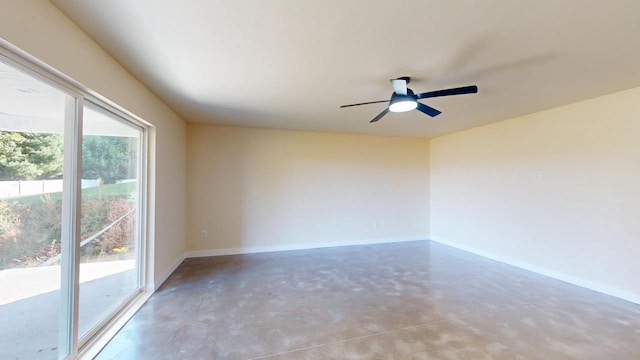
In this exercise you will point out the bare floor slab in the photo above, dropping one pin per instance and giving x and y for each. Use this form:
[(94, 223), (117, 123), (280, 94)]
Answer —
[(412, 300)]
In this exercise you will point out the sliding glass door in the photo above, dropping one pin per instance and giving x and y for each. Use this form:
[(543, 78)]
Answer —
[(110, 232), (71, 215), (32, 124)]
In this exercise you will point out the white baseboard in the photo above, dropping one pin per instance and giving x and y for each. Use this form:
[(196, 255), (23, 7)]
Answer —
[(287, 247), (165, 275), (604, 289), (259, 249)]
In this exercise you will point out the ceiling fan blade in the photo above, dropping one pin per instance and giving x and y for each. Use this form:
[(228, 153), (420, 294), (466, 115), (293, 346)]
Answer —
[(383, 113), (428, 110), (365, 103), (446, 92), (399, 85)]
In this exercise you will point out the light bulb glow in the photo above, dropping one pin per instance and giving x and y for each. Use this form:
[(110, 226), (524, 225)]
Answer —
[(403, 105)]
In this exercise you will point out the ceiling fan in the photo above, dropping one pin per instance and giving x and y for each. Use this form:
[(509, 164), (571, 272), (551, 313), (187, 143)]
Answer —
[(404, 99)]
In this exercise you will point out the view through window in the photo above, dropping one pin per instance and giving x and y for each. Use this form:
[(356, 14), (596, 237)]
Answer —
[(109, 231), (32, 118), (35, 124)]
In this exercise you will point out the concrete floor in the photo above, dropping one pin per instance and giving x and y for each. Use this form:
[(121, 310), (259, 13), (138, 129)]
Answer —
[(414, 300)]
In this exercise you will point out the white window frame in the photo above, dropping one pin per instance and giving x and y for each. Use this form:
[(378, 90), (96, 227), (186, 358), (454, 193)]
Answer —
[(70, 345)]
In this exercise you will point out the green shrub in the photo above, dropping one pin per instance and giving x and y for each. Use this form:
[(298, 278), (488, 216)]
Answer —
[(30, 231)]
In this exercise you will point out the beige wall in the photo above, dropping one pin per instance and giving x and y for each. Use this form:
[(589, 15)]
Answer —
[(38, 28), (263, 188), (558, 190)]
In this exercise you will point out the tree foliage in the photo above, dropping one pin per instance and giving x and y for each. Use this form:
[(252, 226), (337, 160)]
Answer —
[(30, 156), (38, 156), (30, 233), (108, 158)]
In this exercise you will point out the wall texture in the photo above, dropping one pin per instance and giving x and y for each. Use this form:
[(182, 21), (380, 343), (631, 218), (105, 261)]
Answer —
[(38, 28), (257, 188), (557, 190)]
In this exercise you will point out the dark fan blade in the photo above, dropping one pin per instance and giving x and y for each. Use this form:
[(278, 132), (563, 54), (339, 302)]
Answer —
[(365, 103), (399, 86), (455, 91), (428, 110), (383, 113)]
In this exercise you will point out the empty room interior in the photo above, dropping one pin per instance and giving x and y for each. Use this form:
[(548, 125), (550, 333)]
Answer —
[(319, 179)]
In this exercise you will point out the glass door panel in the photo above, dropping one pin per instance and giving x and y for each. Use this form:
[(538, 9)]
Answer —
[(110, 236), (32, 118)]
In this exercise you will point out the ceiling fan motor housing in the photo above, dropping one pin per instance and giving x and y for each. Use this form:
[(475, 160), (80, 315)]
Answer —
[(402, 103)]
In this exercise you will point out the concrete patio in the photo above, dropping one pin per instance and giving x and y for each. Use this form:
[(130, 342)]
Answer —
[(30, 298)]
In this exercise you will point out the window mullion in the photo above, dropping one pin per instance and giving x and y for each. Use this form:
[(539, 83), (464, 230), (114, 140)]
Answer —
[(68, 329)]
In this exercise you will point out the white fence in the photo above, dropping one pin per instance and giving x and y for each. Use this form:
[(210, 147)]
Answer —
[(36, 187)]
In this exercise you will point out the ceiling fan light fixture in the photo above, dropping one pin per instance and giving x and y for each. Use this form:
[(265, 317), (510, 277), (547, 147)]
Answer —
[(402, 104), (404, 99)]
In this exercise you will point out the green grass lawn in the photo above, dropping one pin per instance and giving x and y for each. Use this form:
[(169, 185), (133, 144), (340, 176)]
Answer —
[(123, 189)]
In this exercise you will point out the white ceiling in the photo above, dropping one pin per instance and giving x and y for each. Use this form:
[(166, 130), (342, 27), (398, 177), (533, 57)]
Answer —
[(29, 105), (289, 64)]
